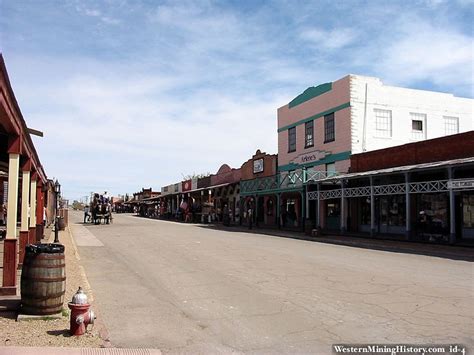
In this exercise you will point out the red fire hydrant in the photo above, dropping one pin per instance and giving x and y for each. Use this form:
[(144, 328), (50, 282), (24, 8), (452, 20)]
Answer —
[(81, 314)]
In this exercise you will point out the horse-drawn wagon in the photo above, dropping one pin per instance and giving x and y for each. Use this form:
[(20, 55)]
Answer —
[(101, 209)]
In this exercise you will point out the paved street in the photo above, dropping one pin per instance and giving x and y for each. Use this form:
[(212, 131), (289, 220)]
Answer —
[(186, 288)]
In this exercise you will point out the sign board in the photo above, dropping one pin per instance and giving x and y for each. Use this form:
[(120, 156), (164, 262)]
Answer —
[(461, 184), (309, 157), (186, 185), (258, 166)]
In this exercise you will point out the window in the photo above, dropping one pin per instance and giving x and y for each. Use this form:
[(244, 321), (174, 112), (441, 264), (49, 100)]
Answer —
[(451, 125), (418, 125), (383, 123), (329, 134), (291, 139), (309, 134)]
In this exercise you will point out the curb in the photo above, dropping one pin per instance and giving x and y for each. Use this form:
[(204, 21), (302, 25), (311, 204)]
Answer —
[(102, 329)]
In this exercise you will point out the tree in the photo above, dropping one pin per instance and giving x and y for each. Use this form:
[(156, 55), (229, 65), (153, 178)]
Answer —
[(195, 176), (77, 205)]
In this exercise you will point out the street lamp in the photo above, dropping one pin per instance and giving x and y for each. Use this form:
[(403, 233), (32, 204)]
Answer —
[(57, 190)]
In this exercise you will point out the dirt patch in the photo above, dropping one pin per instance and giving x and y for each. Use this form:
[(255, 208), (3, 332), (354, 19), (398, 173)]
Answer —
[(55, 332)]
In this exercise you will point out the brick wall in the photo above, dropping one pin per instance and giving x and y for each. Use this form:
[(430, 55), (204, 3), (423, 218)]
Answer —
[(455, 146), (269, 166)]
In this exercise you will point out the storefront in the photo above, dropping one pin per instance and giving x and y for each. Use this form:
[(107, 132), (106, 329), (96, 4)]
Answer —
[(401, 202), (23, 186)]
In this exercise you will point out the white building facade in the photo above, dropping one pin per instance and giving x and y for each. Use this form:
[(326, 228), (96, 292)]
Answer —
[(384, 116)]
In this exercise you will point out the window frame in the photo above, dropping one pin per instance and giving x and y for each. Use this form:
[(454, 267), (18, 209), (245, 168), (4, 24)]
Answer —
[(446, 119), (418, 117), (311, 135), (383, 129), (329, 123), (290, 145)]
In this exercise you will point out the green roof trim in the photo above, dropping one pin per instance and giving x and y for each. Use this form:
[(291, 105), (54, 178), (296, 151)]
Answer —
[(310, 93), (318, 115), (332, 158), (271, 191)]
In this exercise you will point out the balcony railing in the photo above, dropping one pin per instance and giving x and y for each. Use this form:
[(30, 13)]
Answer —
[(284, 180)]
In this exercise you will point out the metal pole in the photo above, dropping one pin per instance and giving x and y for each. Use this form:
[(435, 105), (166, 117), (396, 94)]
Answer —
[(278, 210), (56, 221), (452, 210), (407, 207), (318, 224), (372, 207), (343, 209)]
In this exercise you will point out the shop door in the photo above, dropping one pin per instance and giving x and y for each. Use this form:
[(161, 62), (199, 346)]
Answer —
[(333, 215)]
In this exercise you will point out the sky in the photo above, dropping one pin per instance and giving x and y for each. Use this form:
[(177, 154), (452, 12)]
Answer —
[(133, 94)]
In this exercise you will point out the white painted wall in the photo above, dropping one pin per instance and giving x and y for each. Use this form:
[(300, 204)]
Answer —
[(401, 102)]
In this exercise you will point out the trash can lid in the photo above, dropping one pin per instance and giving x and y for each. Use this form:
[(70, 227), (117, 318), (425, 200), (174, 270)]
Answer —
[(49, 248)]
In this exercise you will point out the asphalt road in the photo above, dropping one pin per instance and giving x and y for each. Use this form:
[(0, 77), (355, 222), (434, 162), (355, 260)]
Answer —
[(187, 288)]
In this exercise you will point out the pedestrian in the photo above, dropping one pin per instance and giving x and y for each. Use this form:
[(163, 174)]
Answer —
[(87, 216), (250, 215), (237, 213), (225, 217)]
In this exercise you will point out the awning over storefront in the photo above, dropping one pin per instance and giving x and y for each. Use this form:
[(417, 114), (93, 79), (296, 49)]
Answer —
[(191, 191), (401, 169)]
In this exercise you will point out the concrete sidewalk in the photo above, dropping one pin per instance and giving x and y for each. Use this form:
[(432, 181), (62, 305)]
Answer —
[(397, 246), (16, 350)]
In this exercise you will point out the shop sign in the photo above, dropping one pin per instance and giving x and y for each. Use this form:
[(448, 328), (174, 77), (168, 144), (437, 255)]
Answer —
[(309, 157), (186, 185), (461, 184), (258, 166)]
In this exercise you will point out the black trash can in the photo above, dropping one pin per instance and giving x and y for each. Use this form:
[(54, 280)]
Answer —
[(43, 279)]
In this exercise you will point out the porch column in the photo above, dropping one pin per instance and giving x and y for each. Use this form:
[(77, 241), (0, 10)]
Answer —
[(318, 211), (10, 244), (32, 231), (39, 211), (177, 207), (303, 209), (25, 206), (407, 207), (452, 211), (255, 212), (372, 207), (241, 212), (343, 209), (278, 211), (307, 202)]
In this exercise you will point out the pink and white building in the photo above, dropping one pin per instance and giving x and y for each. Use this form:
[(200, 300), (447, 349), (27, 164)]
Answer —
[(321, 128)]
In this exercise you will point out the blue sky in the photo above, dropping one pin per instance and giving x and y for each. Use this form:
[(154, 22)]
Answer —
[(135, 94)]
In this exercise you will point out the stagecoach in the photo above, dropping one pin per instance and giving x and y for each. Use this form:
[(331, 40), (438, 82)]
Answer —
[(101, 209)]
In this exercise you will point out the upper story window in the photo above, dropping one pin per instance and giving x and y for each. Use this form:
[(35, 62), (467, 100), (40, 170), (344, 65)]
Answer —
[(329, 128), (451, 125), (383, 123), (291, 139), (418, 125), (309, 134)]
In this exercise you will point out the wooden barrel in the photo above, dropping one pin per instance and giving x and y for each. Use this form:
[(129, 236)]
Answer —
[(62, 224), (43, 279)]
